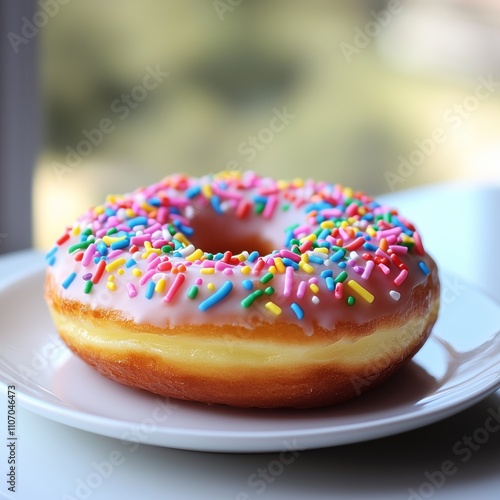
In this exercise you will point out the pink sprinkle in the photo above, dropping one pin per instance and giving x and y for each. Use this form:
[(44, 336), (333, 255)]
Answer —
[(339, 290), (399, 249), (352, 209), (228, 271), (159, 243), (313, 281), (395, 231), (401, 277), (179, 280), (162, 215), (287, 290), (132, 292), (272, 202), (384, 268), (139, 240), (198, 281), (154, 263), (344, 234), (368, 269), (146, 277), (221, 266), (358, 269), (301, 229), (392, 239), (381, 253), (287, 254), (208, 263), (114, 254), (302, 289), (89, 253), (152, 229), (101, 232), (418, 243), (331, 213)]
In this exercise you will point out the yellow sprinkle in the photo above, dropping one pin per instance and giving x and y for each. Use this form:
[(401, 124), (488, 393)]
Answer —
[(272, 269), (321, 250), (99, 210), (344, 224), (371, 231), (211, 286), (180, 237), (207, 190), (327, 224), (121, 272), (348, 192), (160, 286), (298, 182), (130, 213), (76, 230), (115, 264), (207, 270), (246, 270), (311, 237), (111, 198), (147, 245), (197, 254), (314, 288), (361, 210), (111, 278), (271, 306), (280, 267), (352, 220), (304, 258), (306, 267), (145, 206), (137, 272), (109, 239), (241, 257), (365, 294), (111, 286)]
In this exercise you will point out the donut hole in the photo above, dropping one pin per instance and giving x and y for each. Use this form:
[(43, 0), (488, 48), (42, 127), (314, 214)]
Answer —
[(215, 233)]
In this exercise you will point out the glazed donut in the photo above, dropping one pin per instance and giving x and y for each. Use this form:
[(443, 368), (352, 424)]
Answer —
[(242, 290)]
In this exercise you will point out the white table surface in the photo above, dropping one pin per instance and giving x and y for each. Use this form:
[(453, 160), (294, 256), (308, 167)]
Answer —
[(53, 459)]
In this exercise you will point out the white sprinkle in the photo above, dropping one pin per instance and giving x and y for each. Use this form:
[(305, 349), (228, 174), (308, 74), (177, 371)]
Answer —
[(395, 295), (315, 299), (354, 255)]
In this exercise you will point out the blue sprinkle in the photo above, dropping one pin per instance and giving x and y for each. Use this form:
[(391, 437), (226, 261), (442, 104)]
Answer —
[(174, 210), (51, 253), (130, 263), (253, 256), (330, 283), (150, 289), (155, 202), (297, 310), (288, 238), (343, 265), (120, 244), (51, 261), (176, 254), (193, 191), (316, 260), (215, 202), (327, 273), (102, 248), (324, 234), (325, 244), (68, 280), (260, 199), (289, 262), (109, 212), (318, 206), (370, 246), (218, 256), (338, 255), (137, 221), (368, 217), (214, 299), (247, 284), (424, 268)]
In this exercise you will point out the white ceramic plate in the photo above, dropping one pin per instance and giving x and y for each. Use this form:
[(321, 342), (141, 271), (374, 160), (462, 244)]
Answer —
[(458, 366)]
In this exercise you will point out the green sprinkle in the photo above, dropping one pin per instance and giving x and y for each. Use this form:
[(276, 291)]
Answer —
[(266, 278), (351, 300), (269, 290), (341, 277), (249, 300), (209, 256), (285, 207), (79, 246), (88, 286), (171, 229), (388, 217), (166, 248), (113, 230), (87, 232), (259, 208), (193, 292)]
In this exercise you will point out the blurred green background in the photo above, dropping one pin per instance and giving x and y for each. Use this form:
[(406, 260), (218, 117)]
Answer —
[(357, 88)]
